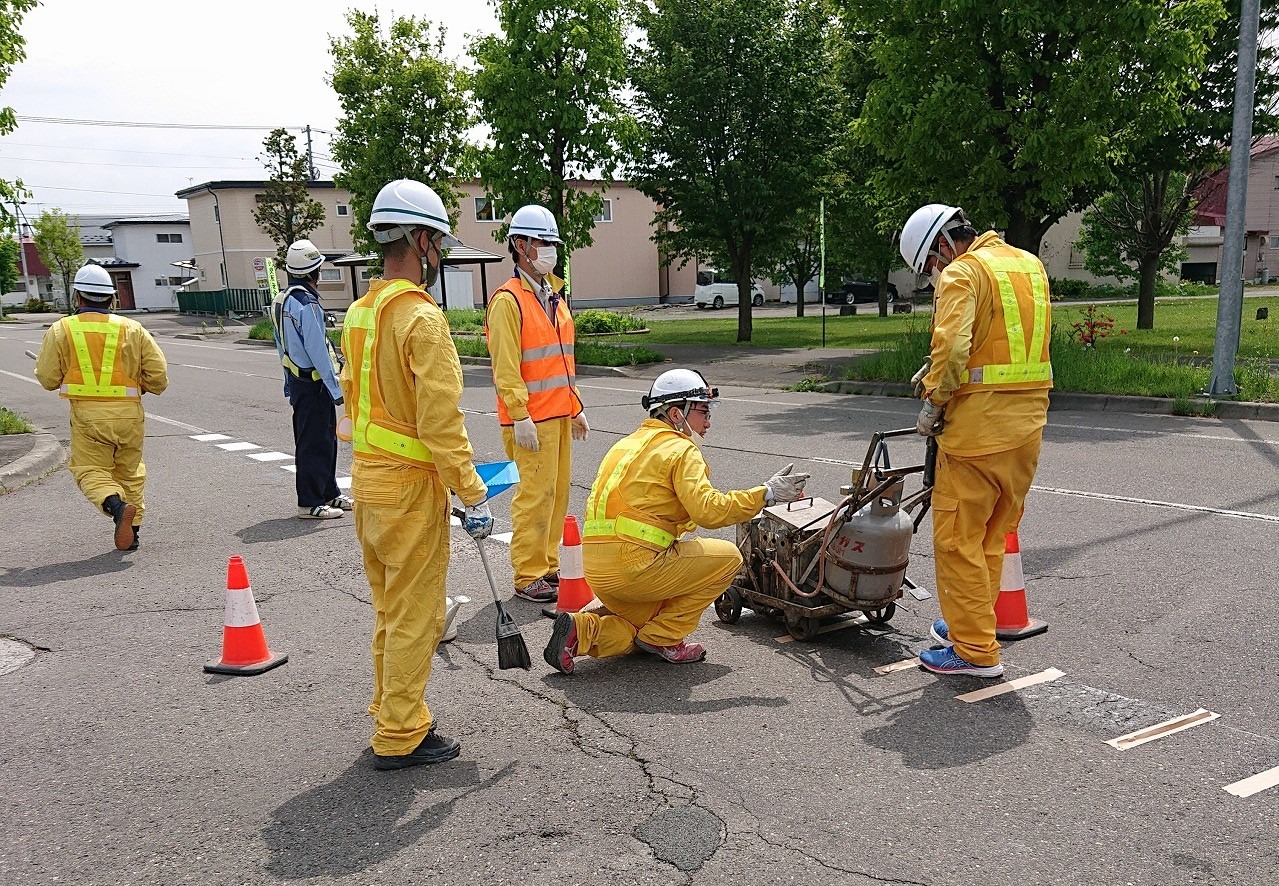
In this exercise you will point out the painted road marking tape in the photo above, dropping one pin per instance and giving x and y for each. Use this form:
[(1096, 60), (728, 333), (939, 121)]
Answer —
[(1155, 503), (292, 469), (344, 482), (209, 438), (269, 456), (503, 537), (1159, 730), (1011, 686), (897, 666), (1254, 783), (240, 446)]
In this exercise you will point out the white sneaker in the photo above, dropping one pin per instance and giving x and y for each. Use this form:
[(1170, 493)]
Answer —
[(345, 502), (319, 512)]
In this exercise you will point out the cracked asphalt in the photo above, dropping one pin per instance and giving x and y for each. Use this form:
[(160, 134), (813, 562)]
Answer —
[(770, 763)]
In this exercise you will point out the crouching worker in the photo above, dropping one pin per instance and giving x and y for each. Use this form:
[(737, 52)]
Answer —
[(651, 487)]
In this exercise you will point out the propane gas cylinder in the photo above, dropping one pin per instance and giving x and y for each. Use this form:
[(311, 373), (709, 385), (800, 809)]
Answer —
[(866, 559)]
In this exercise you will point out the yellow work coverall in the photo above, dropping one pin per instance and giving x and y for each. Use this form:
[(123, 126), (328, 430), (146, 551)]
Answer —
[(660, 597), (541, 499), (988, 453), (106, 435), (402, 512)]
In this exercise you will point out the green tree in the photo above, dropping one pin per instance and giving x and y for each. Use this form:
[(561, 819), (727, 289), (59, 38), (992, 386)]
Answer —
[(548, 88), (1134, 231), (1021, 112), (798, 261), (734, 103), (286, 211), (406, 113), (57, 239), (10, 264), (12, 51)]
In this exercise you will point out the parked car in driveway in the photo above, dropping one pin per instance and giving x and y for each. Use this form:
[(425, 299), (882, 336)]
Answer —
[(860, 291), (717, 289)]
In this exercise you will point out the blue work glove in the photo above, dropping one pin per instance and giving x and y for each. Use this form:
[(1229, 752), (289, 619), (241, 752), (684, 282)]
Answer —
[(478, 520)]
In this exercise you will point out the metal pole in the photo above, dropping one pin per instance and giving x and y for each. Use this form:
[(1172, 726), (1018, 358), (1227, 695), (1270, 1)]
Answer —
[(1230, 299), (22, 249), (310, 157), (821, 273)]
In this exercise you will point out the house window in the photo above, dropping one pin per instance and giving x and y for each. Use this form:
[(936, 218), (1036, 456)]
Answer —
[(485, 210), (605, 214), (175, 281), (330, 275), (367, 274), (159, 281), (343, 209), (168, 238), (1273, 242), (1076, 258)]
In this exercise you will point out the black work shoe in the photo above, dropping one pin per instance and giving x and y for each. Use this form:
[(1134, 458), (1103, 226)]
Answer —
[(136, 542), (552, 579), (122, 513), (433, 749)]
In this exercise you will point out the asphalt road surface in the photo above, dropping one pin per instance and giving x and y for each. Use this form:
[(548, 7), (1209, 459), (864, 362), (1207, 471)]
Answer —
[(1148, 545)]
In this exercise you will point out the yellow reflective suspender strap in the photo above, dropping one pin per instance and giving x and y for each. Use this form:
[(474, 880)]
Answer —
[(368, 436), (597, 523), (95, 385), (1022, 367)]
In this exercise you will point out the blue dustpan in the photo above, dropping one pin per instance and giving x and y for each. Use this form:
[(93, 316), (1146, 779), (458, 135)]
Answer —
[(498, 476)]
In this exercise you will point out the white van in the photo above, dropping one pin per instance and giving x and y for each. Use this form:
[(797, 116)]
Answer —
[(717, 289)]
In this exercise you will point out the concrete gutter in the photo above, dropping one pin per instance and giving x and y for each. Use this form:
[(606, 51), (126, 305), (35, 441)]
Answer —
[(1066, 400), (45, 457)]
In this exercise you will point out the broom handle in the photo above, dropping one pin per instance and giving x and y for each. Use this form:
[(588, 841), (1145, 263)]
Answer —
[(484, 557)]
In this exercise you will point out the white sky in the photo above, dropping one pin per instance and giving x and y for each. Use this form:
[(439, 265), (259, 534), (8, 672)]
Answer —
[(233, 62)]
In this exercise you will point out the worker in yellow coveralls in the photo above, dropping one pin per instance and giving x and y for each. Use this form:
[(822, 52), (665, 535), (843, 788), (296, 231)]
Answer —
[(401, 385), (103, 363), (652, 486), (985, 390)]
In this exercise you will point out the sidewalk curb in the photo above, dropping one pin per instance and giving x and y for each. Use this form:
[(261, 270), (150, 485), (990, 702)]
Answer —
[(44, 458), (605, 371), (1059, 401)]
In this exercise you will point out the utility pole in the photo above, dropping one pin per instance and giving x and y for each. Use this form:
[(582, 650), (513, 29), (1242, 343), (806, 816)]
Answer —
[(22, 250), (1230, 299), (310, 156)]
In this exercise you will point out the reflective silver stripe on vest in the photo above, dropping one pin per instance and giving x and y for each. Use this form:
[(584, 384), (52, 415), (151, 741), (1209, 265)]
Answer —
[(549, 384), (128, 392), (544, 351)]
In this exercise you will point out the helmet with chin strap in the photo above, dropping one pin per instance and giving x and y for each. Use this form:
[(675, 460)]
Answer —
[(678, 387), (405, 205), (923, 228), (94, 283)]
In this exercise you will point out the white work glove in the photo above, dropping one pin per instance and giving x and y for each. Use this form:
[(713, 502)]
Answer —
[(932, 419), (579, 428), (785, 486), (918, 378), (478, 520), (526, 435)]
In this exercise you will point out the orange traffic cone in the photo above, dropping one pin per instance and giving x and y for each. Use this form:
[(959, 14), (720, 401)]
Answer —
[(244, 650), (1012, 620), (574, 591)]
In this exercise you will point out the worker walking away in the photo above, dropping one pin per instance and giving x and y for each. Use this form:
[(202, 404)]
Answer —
[(103, 363), (402, 383), (311, 368), (651, 487), (530, 338), (985, 391)]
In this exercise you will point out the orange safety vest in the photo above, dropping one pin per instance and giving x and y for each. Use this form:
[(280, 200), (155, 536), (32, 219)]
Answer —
[(1014, 355), (93, 374), (546, 357), (609, 517), (375, 434)]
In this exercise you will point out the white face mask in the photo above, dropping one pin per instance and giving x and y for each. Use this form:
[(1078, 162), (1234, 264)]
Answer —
[(934, 275), (545, 261)]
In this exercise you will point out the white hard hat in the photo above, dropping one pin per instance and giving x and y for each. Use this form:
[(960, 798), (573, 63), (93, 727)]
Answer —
[(409, 204), (921, 230), (536, 222), (94, 283), (302, 258), (676, 386)]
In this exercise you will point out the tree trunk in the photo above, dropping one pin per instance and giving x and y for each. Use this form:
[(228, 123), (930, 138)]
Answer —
[(742, 274), (1149, 268), (1025, 232), (883, 291), (799, 296)]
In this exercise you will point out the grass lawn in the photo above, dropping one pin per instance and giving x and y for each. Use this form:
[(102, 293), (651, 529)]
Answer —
[(12, 423), (586, 353), (720, 328)]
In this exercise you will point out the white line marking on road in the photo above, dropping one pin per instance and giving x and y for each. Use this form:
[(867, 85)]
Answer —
[(177, 424), (1154, 503), (1159, 730), (240, 446), (18, 377), (344, 482), (292, 469), (1011, 686), (227, 371), (209, 438), (269, 456), (904, 665), (503, 537), (1253, 784)]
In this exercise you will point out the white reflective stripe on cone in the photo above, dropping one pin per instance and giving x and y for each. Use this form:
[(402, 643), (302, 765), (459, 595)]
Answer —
[(241, 610), (571, 562), (1012, 578)]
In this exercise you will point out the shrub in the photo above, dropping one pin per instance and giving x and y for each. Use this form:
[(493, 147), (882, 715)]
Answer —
[(36, 306), (465, 319), (262, 330), (12, 423), (1092, 328), (1066, 288), (596, 321)]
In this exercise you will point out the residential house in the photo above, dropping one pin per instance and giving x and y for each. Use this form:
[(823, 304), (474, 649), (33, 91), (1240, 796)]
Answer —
[(152, 254)]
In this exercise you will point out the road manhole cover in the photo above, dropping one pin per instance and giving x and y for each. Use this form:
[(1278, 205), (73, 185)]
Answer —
[(13, 655), (685, 836)]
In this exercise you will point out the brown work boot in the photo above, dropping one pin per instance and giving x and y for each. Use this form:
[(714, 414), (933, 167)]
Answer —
[(122, 512), (682, 653)]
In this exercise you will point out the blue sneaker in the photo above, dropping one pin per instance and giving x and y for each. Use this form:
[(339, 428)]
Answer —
[(940, 632), (947, 661)]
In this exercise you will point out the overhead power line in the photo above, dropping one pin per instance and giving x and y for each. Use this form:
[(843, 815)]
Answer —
[(72, 121), (127, 165), (12, 144)]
